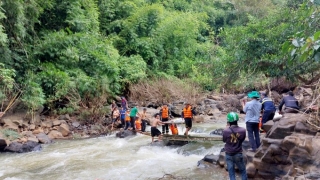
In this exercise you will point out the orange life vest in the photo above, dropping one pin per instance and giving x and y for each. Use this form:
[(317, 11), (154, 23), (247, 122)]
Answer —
[(165, 112), (127, 116), (187, 113), (138, 124), (174, 129)]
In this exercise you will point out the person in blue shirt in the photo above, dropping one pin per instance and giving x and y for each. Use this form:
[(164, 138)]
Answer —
[(122, 116), (252, 110), (267, 107)]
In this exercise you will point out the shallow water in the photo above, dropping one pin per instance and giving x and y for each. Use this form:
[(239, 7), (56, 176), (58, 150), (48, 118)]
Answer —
[(109, 157)]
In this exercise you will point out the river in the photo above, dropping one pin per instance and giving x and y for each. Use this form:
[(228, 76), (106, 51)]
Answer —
[(111, 158)]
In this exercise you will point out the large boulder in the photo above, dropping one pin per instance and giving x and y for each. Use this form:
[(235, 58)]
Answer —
[(290, 148), (43, 138), (54, 134), (22, 148), (8, 124), (64, 129)]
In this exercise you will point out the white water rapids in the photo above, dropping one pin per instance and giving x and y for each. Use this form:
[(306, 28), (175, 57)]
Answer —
[(111, 158)]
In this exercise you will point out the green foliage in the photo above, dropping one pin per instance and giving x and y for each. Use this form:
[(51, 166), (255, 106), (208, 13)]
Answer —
[(10, 134), (33, 96)]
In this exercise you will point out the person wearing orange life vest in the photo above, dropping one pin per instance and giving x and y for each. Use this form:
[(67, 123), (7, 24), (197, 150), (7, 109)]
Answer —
[(127, 119), (174, 129), (187, 115), (164, 117)]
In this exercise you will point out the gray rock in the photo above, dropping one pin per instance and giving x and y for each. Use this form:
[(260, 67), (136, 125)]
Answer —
[(125, 133), (75, 124), (43, 138), (22, 148)]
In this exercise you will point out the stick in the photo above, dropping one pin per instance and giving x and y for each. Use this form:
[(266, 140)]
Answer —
[(12, 101)]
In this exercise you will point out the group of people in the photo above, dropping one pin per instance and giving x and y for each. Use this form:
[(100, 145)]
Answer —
[(131, 119), (233, 135)]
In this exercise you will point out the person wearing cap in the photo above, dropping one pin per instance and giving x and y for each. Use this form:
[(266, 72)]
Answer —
[(233, 137), (187, 115), (291, 103), (252, 110), (267, 107)]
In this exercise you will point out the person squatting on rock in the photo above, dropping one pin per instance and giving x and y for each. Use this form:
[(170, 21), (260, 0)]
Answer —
[(154, 130), (144, 120), (133, 115), (187, 115), (291, 103), (164, 117), (252, 110), (233, 136), (267, 107)]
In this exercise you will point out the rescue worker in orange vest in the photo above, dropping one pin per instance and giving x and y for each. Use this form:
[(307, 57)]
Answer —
[(164, 117), (174, 129), (187, 115)]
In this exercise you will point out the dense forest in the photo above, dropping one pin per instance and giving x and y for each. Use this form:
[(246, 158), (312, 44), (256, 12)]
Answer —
[(81, 52)]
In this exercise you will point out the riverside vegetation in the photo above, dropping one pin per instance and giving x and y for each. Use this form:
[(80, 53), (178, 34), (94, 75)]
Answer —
[(73, 57)]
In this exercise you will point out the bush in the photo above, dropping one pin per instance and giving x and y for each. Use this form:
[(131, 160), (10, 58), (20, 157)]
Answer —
[(10, 134)]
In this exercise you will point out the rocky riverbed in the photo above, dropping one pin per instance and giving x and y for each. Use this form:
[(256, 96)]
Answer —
[(290, 148)]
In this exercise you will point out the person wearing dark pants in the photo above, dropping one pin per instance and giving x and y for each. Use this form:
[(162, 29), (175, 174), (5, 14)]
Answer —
[(144, 120), (252, 110), (233, 136), (291, 103), (133, 115), (165, 115), (268, 108)]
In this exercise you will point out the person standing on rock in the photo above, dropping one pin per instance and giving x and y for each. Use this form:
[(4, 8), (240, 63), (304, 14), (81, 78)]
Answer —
[(187, 115), (291, 103), (124, 103), (233, 136), (267, 107), (252, 110), (123, 117), (115, 116), (164, 117), (154, 130), (133, 115), (144, 120)]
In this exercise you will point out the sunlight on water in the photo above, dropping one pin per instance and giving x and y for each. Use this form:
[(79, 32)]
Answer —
[(109, 157)]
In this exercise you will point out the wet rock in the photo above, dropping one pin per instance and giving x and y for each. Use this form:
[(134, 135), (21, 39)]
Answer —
[(34, 139), (125, 133), (303, 128), (3, 144), (211, 158), (22, 148), (43, 138), (217, 132), (175, 143), (204, 164)]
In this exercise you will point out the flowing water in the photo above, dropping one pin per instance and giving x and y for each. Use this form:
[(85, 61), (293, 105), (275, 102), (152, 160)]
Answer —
[(113, 158)]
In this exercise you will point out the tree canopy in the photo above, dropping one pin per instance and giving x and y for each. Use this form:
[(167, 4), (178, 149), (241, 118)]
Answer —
[(75, 51)]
